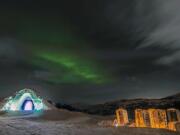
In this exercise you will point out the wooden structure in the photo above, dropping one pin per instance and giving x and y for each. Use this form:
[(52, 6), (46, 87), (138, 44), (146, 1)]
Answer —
[(142, 118), (173, 115), (173, 118), (150, 118), (122, 117), (153, 118), (158, 118)]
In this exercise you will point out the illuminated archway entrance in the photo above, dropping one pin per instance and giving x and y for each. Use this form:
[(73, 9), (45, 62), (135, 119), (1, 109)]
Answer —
[(27, 105), (24, 100)]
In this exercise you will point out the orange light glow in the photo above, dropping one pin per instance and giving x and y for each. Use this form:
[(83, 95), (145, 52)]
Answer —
[(158, 118), (142, 118), (150, 118), (122, 117)]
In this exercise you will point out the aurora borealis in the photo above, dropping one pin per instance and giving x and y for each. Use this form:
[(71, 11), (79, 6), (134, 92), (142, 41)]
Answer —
[(89, 51), (74, 66)]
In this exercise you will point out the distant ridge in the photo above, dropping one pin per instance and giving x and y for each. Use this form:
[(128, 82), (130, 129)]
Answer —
[(176, 96), (129, 104)]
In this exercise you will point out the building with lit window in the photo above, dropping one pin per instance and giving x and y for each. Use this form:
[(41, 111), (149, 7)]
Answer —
[(122, 117), (158, 118), (142, 118), (173, 117)]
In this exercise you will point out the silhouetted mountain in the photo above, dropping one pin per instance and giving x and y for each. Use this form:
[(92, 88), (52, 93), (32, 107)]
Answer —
[(110, 107), (176, 96)]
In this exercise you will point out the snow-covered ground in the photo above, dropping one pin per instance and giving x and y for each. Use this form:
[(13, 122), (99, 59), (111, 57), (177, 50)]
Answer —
[(28, 127), (69, 125)]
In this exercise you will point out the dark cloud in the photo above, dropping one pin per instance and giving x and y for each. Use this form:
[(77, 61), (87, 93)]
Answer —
[(8, 50), (90, 51)]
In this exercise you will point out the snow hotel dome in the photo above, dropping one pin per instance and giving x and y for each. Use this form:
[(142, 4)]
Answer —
[(24, 101)]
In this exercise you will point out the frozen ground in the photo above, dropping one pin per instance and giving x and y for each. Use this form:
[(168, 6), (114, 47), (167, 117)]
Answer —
[(66, 123)]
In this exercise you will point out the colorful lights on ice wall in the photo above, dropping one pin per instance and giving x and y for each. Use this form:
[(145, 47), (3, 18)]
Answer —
[(24, 100)]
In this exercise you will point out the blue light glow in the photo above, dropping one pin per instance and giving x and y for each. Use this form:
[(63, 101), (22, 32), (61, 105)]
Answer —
[(24, 100)]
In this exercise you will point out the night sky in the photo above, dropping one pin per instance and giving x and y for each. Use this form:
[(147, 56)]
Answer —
[(90, 51)]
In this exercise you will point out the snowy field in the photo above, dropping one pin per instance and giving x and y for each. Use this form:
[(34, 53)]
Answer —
[(80, 125)]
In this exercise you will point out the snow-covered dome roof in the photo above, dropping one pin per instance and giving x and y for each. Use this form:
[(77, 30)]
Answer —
[(24, 100)]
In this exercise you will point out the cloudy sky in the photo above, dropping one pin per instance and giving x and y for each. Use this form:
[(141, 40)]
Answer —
[(90, 51)]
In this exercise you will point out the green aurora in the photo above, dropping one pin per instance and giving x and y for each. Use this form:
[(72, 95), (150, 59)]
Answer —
[(76, 69), (66, 64)]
